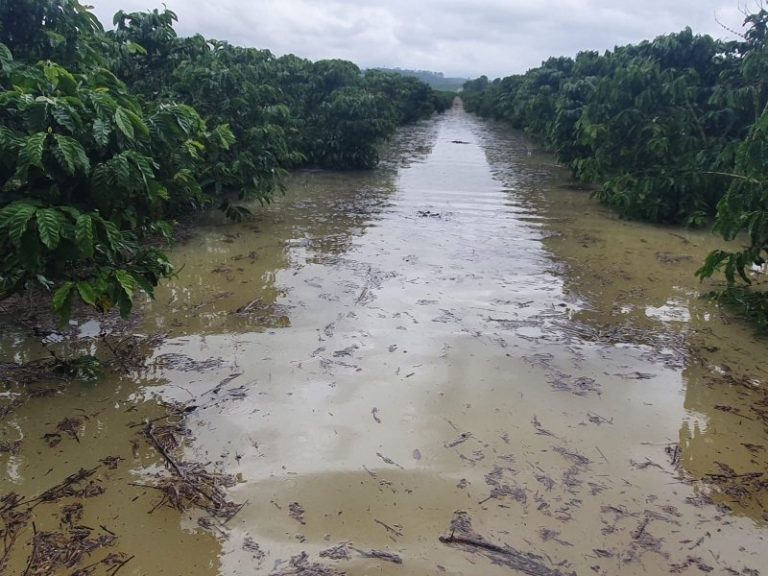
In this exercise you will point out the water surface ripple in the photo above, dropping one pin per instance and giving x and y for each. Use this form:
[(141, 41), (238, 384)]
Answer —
[(436, 362), (455, 332)]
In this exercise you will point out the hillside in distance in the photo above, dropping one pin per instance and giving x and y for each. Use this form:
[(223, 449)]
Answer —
[(437, 80)]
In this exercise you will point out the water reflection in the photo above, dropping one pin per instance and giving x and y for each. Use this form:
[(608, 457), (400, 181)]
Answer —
[(455, 332), (446, 356), (635, 283), (230, 278)]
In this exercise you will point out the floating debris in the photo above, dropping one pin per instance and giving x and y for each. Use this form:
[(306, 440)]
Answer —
[(189, 484), (51, 551), (461, 535), (340, 552), (388, 460), (463, 437), (251, 546), (54, 550), (396, 530), (70, 426), (184, 363), (579, 386), (11, 448), (296, 511), (380, 555), (301, 566)]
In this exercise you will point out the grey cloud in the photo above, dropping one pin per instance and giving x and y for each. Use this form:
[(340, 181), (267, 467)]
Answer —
[(458, 37)]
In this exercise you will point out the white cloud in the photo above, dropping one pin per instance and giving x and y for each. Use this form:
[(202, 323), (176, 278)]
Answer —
[(458, 37)]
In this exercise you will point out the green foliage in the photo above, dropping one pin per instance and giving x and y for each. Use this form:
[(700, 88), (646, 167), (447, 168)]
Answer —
[(85, 180), (106, 137), (645, 123), (61, 30), (746, 302), (742, 213), (670, 131), (348, 126)]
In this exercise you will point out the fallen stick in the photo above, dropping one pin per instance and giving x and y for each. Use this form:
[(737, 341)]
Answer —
[(388, 527), (119, 566), (34, 550), (526, 563), (162, 450), (462, 534)]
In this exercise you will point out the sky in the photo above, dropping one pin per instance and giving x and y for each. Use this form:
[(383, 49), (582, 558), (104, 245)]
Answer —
[(465, 38)]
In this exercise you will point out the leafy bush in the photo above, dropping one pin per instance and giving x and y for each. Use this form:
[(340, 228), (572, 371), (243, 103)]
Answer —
[(105, 138), (87, 176), (670, 131)]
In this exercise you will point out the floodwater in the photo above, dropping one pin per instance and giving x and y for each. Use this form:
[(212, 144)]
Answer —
[(458, 334)]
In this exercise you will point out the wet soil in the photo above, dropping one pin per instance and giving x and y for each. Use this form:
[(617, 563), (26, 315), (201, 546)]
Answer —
[(455, 364)]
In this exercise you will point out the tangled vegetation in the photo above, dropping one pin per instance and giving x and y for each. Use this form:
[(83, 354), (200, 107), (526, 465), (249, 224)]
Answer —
[(107, 136), (673, 130)]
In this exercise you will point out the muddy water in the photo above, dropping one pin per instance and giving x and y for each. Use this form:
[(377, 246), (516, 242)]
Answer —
[(455, 331)]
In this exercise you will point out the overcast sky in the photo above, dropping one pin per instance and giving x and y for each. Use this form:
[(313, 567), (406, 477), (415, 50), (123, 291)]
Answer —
[(458, 37)]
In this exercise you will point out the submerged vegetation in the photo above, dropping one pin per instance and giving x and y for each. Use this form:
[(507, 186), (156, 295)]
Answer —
[(673, 131), (106, 137)]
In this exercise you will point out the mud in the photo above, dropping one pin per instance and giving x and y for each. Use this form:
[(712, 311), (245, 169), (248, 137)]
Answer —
[(455, 364)]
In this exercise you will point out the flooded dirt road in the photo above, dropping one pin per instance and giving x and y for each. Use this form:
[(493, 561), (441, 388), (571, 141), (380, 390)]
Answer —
[(454, 364)]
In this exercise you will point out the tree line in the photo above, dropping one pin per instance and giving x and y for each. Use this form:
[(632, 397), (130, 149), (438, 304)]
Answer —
[(672, 131), (107, 136), (437, 80)]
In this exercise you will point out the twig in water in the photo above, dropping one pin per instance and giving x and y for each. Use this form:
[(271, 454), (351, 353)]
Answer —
[(389, 528)]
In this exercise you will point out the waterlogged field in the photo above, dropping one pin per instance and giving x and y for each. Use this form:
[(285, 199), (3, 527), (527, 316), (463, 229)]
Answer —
[(454, 364)]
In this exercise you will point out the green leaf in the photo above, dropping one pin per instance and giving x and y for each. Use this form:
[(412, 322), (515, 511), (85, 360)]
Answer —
[(87, 293), (71, 155), (59, 77), (156, 192), (19, 220), (146, 166), (84, 234), (236, 213), (66, 83), (101, 131), (62, 301), (55, 37), (223, 136), (104, 104), (101, 179), (127, 282), (137, 122), (123, 121), (6, 58), (49, 222), (31, 154), (194, 148), (122, 170), (124, 304), (73, 212), (65, 118), (114, 236), (9, 142), (136, 49)]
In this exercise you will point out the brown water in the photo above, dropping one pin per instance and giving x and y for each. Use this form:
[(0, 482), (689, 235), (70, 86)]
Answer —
[(454, 331)]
